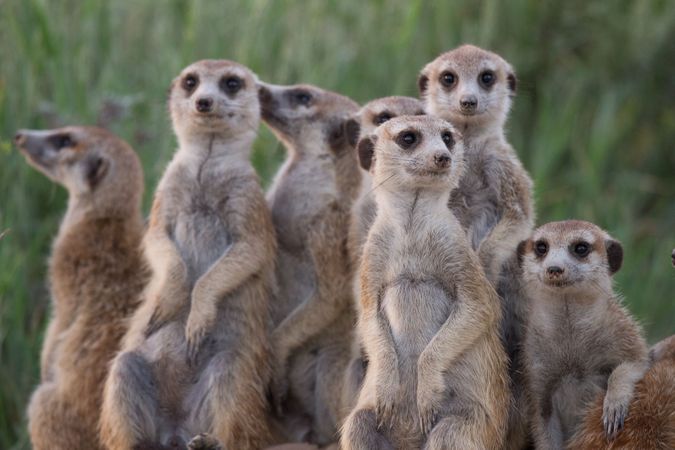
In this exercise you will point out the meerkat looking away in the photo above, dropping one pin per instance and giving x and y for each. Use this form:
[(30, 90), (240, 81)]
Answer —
[(472, 89), (310, 201), (437, 371), (96, 276), (579, 341), (196, 357)]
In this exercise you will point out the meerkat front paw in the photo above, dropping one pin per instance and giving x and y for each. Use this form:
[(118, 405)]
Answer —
[(167, 308), (204, 441), (614, 412), (387, 394), (199, 322)]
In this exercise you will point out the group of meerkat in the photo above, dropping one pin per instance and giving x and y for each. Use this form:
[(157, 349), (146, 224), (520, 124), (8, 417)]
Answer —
[(389, 291)]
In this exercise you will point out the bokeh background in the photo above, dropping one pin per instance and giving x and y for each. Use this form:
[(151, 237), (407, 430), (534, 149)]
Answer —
[(593, 122)]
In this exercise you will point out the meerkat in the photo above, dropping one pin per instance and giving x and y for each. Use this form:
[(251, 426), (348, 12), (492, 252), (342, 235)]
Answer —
[(429, 317), (651, 422), (96, 275), (580, 341), (195, 362), (310, 200), (473, 89)]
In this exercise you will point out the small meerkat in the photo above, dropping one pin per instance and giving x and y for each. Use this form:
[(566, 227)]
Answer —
[(651, 422), (310, 201), (579, 340), (96, 275), (195, 362), (429, 317), (473, 89)]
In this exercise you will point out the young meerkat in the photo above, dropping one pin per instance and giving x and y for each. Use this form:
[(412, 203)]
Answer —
[(580, 340), (651, 422), (472, 89), (196, 357), (310, 201), (436, 374), (96, 275)]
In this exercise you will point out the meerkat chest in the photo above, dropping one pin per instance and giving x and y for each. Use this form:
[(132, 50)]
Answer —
[(475, 202)]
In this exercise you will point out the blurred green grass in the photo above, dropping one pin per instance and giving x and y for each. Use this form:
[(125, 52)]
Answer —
[(594, 120)]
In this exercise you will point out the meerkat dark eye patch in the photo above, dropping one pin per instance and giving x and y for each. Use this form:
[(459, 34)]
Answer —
[(614, 255), (448, 140), (61, 141), (352, 131), (541, 248), (382, 118), (190, 82), (366, 149), (448, 79), (487, 79), (580, 249), (300, 97), (231, 84), (408, 139)]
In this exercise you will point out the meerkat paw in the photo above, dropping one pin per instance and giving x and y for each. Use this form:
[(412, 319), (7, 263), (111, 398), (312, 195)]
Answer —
[(204, 441), (196, 329), (427, 408), (387, 395), (279, 388), (614, 412), (166, 310)]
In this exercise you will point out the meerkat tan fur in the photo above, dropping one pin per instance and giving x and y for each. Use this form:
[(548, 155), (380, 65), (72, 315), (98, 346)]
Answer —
[(473, 89), (580, 340), (96, 275), (429, 318), (196, 359), (310, 200), (651, 421)]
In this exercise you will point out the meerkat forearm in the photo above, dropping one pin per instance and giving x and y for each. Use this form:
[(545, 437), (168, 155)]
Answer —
[(620, 389)]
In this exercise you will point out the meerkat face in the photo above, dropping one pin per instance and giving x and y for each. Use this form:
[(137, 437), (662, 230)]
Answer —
[(413, 152), (570, 256), (215, 96), (308, 118), (468, 86), (83, 159), (376, 112)]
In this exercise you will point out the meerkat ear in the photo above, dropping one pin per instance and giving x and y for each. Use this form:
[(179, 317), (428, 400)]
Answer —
[(614, 255), (422, 84), (522, 248), (511, 82), (352, 130), (95, 169), (366, 149)]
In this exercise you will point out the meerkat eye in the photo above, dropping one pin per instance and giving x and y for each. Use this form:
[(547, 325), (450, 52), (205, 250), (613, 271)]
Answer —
[(190, 82), (448, 79), (303, 98), (581, 249), (540, 248), (447, 139), (382, 118), (407, 139), (61, 141), (487, 78), (231, 85)]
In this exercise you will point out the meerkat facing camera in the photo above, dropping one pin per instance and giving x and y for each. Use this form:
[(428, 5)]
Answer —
[(579, 341), (196, 359), (437, 371), (310, 200), (96, 274)]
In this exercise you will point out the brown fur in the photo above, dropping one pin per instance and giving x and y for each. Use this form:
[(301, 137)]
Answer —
[(96, 276), (580, 340), (437, 372), (195, 361), (650, 423), (310, 200)]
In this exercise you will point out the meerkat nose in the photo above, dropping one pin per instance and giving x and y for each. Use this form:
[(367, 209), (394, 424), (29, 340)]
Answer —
[(204, 105), (555, 270), (442, 160), (468, 102)]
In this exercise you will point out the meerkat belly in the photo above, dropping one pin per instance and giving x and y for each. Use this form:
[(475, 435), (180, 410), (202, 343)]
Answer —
[(201, 237), (297, 282), (416, 310)]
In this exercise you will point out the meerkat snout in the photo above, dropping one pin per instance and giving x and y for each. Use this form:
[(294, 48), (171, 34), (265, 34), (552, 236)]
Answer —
[(204, 105), (468, 103)]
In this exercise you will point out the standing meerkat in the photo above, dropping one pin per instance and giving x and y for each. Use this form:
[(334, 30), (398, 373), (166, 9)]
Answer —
[(473, 89), (310, 200), (580, 340), (96, 275), (436, 375), (196, 357), (651, 422)]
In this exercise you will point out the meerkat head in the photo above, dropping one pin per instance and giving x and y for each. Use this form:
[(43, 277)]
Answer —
[(570, 257), (90, 162), (413, 152), (307, 118), (215, 98), (468, 86), (378, 111)]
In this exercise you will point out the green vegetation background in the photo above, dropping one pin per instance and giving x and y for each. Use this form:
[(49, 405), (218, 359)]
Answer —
[(593, 122)]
